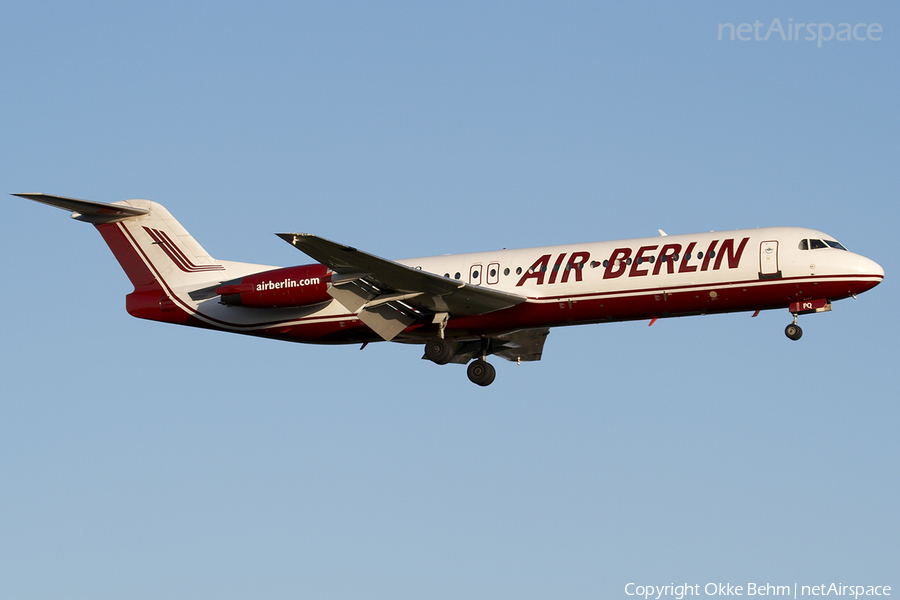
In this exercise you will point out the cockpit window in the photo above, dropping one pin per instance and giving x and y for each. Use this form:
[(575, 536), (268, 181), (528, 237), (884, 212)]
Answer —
[(818, 244)]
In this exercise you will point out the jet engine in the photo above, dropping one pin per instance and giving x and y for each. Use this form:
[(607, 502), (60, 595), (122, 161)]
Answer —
[(291, 287)]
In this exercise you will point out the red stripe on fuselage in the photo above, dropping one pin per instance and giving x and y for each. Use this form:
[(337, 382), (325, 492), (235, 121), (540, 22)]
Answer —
[(866, 281), (629, 305)]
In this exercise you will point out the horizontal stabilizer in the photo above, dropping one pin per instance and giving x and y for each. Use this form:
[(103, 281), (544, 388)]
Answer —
[(86, 210)]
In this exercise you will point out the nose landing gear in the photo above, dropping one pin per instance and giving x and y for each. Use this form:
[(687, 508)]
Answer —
[(793, 330)]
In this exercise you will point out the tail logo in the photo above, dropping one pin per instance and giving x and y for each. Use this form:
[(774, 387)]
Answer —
[(178, 257)]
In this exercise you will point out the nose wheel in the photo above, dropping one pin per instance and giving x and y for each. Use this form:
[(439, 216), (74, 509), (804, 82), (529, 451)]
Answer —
[(481, 372), (793, 330)]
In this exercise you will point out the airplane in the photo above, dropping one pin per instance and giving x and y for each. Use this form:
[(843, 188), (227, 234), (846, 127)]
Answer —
[(463, 308)]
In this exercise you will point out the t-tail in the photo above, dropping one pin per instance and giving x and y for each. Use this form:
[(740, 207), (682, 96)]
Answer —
[(159, 256)]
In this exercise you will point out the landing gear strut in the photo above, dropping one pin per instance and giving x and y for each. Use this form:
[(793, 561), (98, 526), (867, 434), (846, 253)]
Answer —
[(793, 330), (481, 372)]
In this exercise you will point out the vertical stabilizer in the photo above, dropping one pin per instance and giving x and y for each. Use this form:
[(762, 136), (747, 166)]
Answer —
[(157, 254), (155, 242)]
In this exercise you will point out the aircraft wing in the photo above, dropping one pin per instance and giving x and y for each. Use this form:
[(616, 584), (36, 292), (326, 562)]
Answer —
[(390, 295)]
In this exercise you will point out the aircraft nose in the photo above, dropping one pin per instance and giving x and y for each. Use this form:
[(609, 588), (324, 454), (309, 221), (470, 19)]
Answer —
[(867, 266)]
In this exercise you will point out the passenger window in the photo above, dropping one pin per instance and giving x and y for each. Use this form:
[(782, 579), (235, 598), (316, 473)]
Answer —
[(804, 245)]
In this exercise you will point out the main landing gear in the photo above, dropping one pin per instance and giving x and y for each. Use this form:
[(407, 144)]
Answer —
[(439, 351), (480, 372)]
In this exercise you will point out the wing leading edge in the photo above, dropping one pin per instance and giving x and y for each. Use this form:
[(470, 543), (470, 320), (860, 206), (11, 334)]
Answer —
[(391, 296)]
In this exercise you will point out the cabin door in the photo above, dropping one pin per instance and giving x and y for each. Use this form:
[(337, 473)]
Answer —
[(768, 260)]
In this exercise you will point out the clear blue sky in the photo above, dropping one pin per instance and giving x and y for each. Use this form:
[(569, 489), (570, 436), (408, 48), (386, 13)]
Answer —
[(140, 460)]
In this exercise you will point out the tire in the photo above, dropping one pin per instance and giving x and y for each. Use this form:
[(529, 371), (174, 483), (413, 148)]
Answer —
[(439, 351), (481, 372), (793, 332)]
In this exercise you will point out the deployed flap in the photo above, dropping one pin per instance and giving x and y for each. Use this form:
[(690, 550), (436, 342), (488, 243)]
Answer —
[(435, 293), (349, 294), (385, 320), (87, 210)]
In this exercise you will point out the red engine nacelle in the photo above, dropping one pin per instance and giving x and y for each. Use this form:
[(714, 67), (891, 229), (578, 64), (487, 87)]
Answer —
[(290, 287)]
